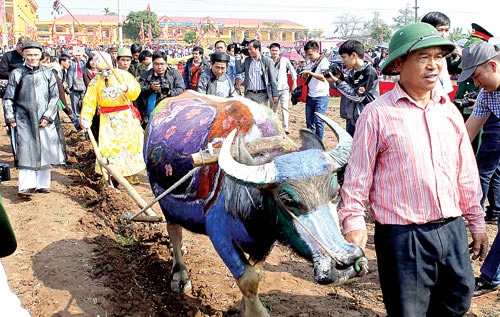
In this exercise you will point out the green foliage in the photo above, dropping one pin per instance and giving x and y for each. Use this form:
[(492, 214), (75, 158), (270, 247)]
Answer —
[(132, 26), (108, 12), (405, 16), (190, 37), (457, 34), (126, 242)]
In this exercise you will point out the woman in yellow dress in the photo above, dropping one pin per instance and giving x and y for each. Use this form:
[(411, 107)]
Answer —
[(121, 137)]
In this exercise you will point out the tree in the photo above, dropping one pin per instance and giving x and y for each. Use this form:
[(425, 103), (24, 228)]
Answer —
[(376, 31), (275, 29), (405, 16), (349, 25), (108, 12), (132, 26), (190, 37), (457, 34), (316, 34)]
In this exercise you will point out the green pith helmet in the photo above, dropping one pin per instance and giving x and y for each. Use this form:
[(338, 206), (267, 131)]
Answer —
[(411, 38), (124, 52)]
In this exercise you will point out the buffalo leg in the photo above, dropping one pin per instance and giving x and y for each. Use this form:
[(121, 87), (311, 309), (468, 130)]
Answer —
[(248, 284), (180, 278)]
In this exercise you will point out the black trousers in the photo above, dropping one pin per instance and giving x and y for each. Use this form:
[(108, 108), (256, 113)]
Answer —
[(425, 270)]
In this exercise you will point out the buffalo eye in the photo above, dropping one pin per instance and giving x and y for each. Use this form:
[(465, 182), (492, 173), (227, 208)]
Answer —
[(288, 200)]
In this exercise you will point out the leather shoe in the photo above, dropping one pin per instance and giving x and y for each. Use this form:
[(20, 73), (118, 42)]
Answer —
[(26, 193), (43, 190)]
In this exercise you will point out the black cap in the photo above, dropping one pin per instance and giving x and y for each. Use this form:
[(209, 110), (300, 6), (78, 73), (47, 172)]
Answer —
[(32, 44), (480, 32), (220, 57)]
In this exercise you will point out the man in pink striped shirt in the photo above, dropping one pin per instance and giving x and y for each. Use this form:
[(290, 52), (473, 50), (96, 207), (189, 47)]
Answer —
[(412, 160)]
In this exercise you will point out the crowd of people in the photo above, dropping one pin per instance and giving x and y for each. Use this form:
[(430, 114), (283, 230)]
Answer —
[(412, 157)]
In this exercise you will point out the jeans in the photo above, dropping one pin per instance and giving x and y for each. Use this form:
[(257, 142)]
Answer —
[(488, 164), (315, 124), (425, 269), (490, 270), (350, 127), (76, 106)]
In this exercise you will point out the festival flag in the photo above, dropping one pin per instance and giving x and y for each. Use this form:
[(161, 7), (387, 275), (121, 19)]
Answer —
[(72, 32), (216, 28), (150, 32), (240, 30), (199, 30), (141, 31), (164, 31), (99, 33), (56, 8), (53, 32), (148, 9), (2, 17), (258, 35)]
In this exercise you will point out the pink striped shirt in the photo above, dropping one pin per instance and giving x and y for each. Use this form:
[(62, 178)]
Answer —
[(413, 165)]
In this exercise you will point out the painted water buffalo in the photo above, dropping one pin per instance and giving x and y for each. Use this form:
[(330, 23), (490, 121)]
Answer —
[(246, 204)]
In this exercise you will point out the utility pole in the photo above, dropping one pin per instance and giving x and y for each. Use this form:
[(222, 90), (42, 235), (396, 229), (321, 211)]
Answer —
[(120, 25), (416, 11)]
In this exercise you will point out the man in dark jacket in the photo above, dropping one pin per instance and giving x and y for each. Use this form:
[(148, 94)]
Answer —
[(12, 59), (195, 66), (360, 86), (157, 84)]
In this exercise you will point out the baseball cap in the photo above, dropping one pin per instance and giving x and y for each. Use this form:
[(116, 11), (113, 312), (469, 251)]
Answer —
[(475, 55)]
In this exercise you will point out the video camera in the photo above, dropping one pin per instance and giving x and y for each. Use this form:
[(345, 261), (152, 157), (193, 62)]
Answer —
[(335, 69), (465, 102), (242, 47)]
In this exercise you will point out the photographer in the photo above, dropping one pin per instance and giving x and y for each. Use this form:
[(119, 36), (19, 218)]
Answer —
[(481, 62), (260, 83), (360, 86), (158, 83)]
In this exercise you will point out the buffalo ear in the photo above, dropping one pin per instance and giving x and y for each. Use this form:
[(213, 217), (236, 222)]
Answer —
[(310, 140), (243, 156)]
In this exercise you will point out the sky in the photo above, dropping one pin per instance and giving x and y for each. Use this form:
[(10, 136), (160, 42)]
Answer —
[(313, 14)]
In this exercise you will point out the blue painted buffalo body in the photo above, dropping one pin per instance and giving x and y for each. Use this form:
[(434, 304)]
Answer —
[(244, 204)]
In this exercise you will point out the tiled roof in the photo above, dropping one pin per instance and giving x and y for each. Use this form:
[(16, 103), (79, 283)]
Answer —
[(231, 21), (89, 18)]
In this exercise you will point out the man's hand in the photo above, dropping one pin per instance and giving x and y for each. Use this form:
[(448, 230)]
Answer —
[(357, 237), (275, 100), (155, 86), (43, 123), (304, 74), (11, 122), (479, 246)]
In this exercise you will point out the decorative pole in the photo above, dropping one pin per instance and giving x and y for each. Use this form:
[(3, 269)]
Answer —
[(120, 25)]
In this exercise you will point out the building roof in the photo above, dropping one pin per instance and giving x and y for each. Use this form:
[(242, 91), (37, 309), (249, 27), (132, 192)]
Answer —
[(228, 21), (89, 18)]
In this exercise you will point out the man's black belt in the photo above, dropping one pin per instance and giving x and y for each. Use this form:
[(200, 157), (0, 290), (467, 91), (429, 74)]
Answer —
[(257, 91)]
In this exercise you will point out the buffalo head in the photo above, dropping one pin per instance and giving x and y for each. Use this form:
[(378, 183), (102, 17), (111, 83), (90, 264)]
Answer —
[(301, 188)]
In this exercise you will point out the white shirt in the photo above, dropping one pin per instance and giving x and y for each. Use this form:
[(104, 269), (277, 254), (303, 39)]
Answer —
[(318, 88), (281, 74)]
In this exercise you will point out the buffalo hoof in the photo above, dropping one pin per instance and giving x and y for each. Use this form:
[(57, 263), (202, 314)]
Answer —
[(180, 282)]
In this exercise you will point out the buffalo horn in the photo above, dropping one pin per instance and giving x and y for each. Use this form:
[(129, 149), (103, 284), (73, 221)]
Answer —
[(340, 154), (249, 175)]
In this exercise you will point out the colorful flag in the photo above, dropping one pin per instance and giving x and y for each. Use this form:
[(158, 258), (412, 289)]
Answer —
[(258, 35), (150, 32), (141, 31), (53, 32), (72, 32), (148, 9), (164, 31), (56, 8)]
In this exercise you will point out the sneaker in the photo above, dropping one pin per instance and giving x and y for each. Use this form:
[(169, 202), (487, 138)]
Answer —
[(491, 219), (483, 288)]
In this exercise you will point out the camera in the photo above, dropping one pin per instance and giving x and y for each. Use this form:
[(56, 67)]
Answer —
[(465, 102), (242, 47), (3, 87), (164, 88), (335, 69)]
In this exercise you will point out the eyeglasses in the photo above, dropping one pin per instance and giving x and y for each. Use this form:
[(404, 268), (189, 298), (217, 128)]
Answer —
[(422, 38), (159, 64)]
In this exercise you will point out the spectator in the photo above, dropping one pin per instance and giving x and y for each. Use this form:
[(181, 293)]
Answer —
[(195, 66), (360, 86), (281, 65), (158, 83), (36, 121), (412, 161), (215, 81), (135, 49), (123, 59), (113, 51), (260, 83), (121, 137), (76, 86), (146, 63), (12, 59), (318, 89), (481, 62)]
